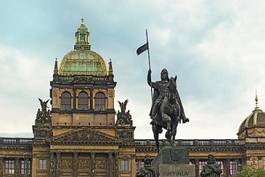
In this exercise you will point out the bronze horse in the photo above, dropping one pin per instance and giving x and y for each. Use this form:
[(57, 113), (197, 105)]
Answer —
[(168, 115)]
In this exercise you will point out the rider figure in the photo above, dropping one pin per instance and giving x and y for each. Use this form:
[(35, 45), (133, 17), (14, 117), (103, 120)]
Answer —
[(160, 91)]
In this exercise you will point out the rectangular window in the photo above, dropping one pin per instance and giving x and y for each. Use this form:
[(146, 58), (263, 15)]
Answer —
[(139, 164), (25, 167), (124, 165), (233, 167), (9, 166), (42, 164), (201, 165)]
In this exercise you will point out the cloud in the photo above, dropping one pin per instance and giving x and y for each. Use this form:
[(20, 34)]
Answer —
[(25, 79), (215, 48)]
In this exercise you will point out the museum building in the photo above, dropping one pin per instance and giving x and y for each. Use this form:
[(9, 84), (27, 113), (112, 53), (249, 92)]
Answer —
[(84, 136)]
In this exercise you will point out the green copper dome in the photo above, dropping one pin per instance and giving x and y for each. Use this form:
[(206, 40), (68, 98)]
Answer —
[(82, 60)]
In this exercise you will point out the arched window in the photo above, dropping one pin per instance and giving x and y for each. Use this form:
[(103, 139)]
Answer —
[(100, 101), (83, 101), (66, 101)]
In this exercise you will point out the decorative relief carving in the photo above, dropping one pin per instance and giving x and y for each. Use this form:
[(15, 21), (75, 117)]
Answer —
[(111, 93), (101, 163), (260, 132), (125, 134), (254, 162), (84, 163), (85, 136), (66, 164)]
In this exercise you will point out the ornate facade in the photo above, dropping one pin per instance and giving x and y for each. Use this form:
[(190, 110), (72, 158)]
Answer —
[(82, 136)]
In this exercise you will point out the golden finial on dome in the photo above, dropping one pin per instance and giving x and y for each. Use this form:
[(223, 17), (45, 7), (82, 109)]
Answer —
[(256, 99)]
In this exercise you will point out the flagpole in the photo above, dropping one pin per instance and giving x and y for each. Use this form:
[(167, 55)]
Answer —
[(149, 62), (146, 33)]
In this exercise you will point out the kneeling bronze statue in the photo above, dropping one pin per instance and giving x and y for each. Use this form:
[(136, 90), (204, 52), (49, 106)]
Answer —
[(212, 169)]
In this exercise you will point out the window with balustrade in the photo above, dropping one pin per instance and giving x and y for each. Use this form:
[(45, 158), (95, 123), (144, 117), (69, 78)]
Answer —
[(9, 166), (233, 166), (124, 165), (42, 164), (25, 167)]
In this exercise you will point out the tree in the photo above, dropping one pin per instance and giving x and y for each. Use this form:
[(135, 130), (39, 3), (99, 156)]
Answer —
[(250, 172)]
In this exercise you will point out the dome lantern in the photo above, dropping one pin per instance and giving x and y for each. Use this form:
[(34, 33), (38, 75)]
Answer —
[(82, 60), (82, 37)]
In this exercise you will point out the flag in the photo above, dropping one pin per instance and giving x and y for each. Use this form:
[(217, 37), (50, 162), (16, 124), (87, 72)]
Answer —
[(142, 49)]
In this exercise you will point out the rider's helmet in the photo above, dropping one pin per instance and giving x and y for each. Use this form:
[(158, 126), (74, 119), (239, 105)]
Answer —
[(164, 74)]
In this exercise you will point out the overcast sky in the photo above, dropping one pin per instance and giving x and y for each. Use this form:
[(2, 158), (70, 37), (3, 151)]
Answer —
[(216, 48)]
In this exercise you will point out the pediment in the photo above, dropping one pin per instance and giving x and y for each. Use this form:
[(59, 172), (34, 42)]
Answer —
[(85, 136)]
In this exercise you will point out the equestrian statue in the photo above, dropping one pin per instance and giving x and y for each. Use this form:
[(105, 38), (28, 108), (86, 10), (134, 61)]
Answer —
[(167, 110)]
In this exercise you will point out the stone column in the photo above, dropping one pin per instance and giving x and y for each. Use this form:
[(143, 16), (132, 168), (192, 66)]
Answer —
[(75, 164), (93, 165), (74, 101), (110, 165), (58, 164), (116, 165), (197, 170), (91, 99), (2, 166), (227, 167), (17, 166), (52, 165)]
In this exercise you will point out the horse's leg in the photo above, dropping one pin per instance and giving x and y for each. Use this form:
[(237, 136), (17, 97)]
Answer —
[(174, 130), (156, 136)]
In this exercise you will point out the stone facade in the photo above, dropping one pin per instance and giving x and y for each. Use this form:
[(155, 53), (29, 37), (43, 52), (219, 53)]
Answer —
[(83, 136)]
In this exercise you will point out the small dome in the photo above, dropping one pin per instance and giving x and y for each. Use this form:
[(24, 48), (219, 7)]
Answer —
[(255, 119), (82, 60)]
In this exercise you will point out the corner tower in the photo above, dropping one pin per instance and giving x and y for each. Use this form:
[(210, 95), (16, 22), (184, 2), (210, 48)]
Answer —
[(82, 89)]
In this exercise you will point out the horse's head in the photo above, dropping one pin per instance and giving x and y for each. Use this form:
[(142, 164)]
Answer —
[(172, 87)]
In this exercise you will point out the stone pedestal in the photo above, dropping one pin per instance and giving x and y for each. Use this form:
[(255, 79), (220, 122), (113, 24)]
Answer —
[(177, 170), (173, 162)]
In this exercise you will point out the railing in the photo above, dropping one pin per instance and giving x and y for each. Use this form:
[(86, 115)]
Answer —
[(92, 124), (15, 141), (193, 142), (150, 142)]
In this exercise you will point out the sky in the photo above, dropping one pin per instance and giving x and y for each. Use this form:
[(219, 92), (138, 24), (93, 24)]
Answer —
[(216, 48)]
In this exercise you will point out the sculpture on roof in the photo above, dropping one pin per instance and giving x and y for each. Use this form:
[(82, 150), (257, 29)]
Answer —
[(124, 117), (43, 114)]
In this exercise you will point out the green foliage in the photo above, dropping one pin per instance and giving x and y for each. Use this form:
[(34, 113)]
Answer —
[(250, 172)]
